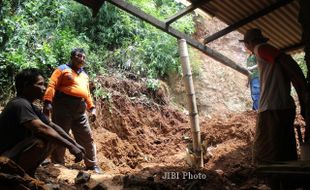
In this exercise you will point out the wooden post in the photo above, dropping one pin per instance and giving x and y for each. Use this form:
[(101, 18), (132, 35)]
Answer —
[(191, 101), (304, 21)]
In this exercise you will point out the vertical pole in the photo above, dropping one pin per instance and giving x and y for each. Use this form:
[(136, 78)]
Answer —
[(191, 101), (304, 20)]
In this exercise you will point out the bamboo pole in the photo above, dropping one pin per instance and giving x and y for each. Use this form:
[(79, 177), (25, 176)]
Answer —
[(191, 101)]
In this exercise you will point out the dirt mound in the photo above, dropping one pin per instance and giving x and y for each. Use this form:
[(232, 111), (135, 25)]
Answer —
[(145, 139), (134, 127)]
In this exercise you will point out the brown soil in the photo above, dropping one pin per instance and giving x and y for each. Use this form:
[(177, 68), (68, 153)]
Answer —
[(140, 137)]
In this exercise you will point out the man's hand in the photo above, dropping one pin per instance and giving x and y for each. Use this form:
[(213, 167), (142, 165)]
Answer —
[(47, 109), (93, 115), (78, 153), (249, 80), (80, 147)]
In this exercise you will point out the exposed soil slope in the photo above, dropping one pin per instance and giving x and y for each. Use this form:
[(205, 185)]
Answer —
[(140, 136)]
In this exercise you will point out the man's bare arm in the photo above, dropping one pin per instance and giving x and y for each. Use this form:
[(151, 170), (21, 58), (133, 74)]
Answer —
[(48, 133)]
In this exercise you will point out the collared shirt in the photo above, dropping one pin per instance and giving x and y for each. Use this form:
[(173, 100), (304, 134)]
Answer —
[(64, 79)]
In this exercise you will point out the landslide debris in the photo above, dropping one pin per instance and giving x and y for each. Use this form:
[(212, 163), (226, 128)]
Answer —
[(141, 136)]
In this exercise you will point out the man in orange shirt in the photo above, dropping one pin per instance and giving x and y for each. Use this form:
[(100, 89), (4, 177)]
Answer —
[(68, 97)]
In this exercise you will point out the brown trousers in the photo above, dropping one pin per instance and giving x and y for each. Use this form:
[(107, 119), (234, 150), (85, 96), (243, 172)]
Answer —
[(275, 142), (69, 113), (274, 137)]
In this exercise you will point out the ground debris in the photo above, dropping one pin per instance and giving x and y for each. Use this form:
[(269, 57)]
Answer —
[(12, 177)]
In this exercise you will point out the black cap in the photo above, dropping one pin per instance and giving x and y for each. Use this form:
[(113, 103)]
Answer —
[(253, 34)]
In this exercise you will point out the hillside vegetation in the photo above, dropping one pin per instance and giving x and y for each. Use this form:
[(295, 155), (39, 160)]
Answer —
[(36, 33)]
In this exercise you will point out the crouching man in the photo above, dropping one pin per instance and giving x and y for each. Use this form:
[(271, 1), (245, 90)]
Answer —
[(26, 135)]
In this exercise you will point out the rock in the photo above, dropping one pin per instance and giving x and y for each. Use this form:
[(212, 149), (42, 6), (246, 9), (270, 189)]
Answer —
[(12, 176), (8, 166), (135, 182), (157, 141), (220, 172), (100, 186), (82, 177), (51, 186)]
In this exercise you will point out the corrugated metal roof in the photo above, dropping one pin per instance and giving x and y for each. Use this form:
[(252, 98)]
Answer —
[(281, 25)]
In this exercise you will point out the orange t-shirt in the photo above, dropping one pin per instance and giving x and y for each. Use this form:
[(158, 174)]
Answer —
[(67, 81)]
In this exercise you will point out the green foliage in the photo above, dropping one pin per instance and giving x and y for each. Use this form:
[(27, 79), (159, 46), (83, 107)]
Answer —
[(41, 34), (152, 84), (300, 59), (196, 63), (101, 93), (163, 9)]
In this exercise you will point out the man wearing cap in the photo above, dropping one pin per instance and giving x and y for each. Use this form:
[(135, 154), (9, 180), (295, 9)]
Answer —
[(274, 138)]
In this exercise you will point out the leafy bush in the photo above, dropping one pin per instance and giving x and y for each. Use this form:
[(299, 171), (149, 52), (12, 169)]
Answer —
[(152, 84), (300, 59), (41, 34)]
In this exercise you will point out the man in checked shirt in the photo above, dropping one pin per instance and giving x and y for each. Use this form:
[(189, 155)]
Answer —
[(67, 98)]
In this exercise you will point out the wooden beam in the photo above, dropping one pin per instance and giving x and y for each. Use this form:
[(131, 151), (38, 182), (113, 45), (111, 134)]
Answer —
[(293, 47), (95, 5), (179, 35), (285, 169), (181, 13), (244, 21), (195, 4)]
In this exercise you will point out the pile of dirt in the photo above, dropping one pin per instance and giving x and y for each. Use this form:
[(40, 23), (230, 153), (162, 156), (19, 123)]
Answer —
[(134, 127), (141, 138)]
